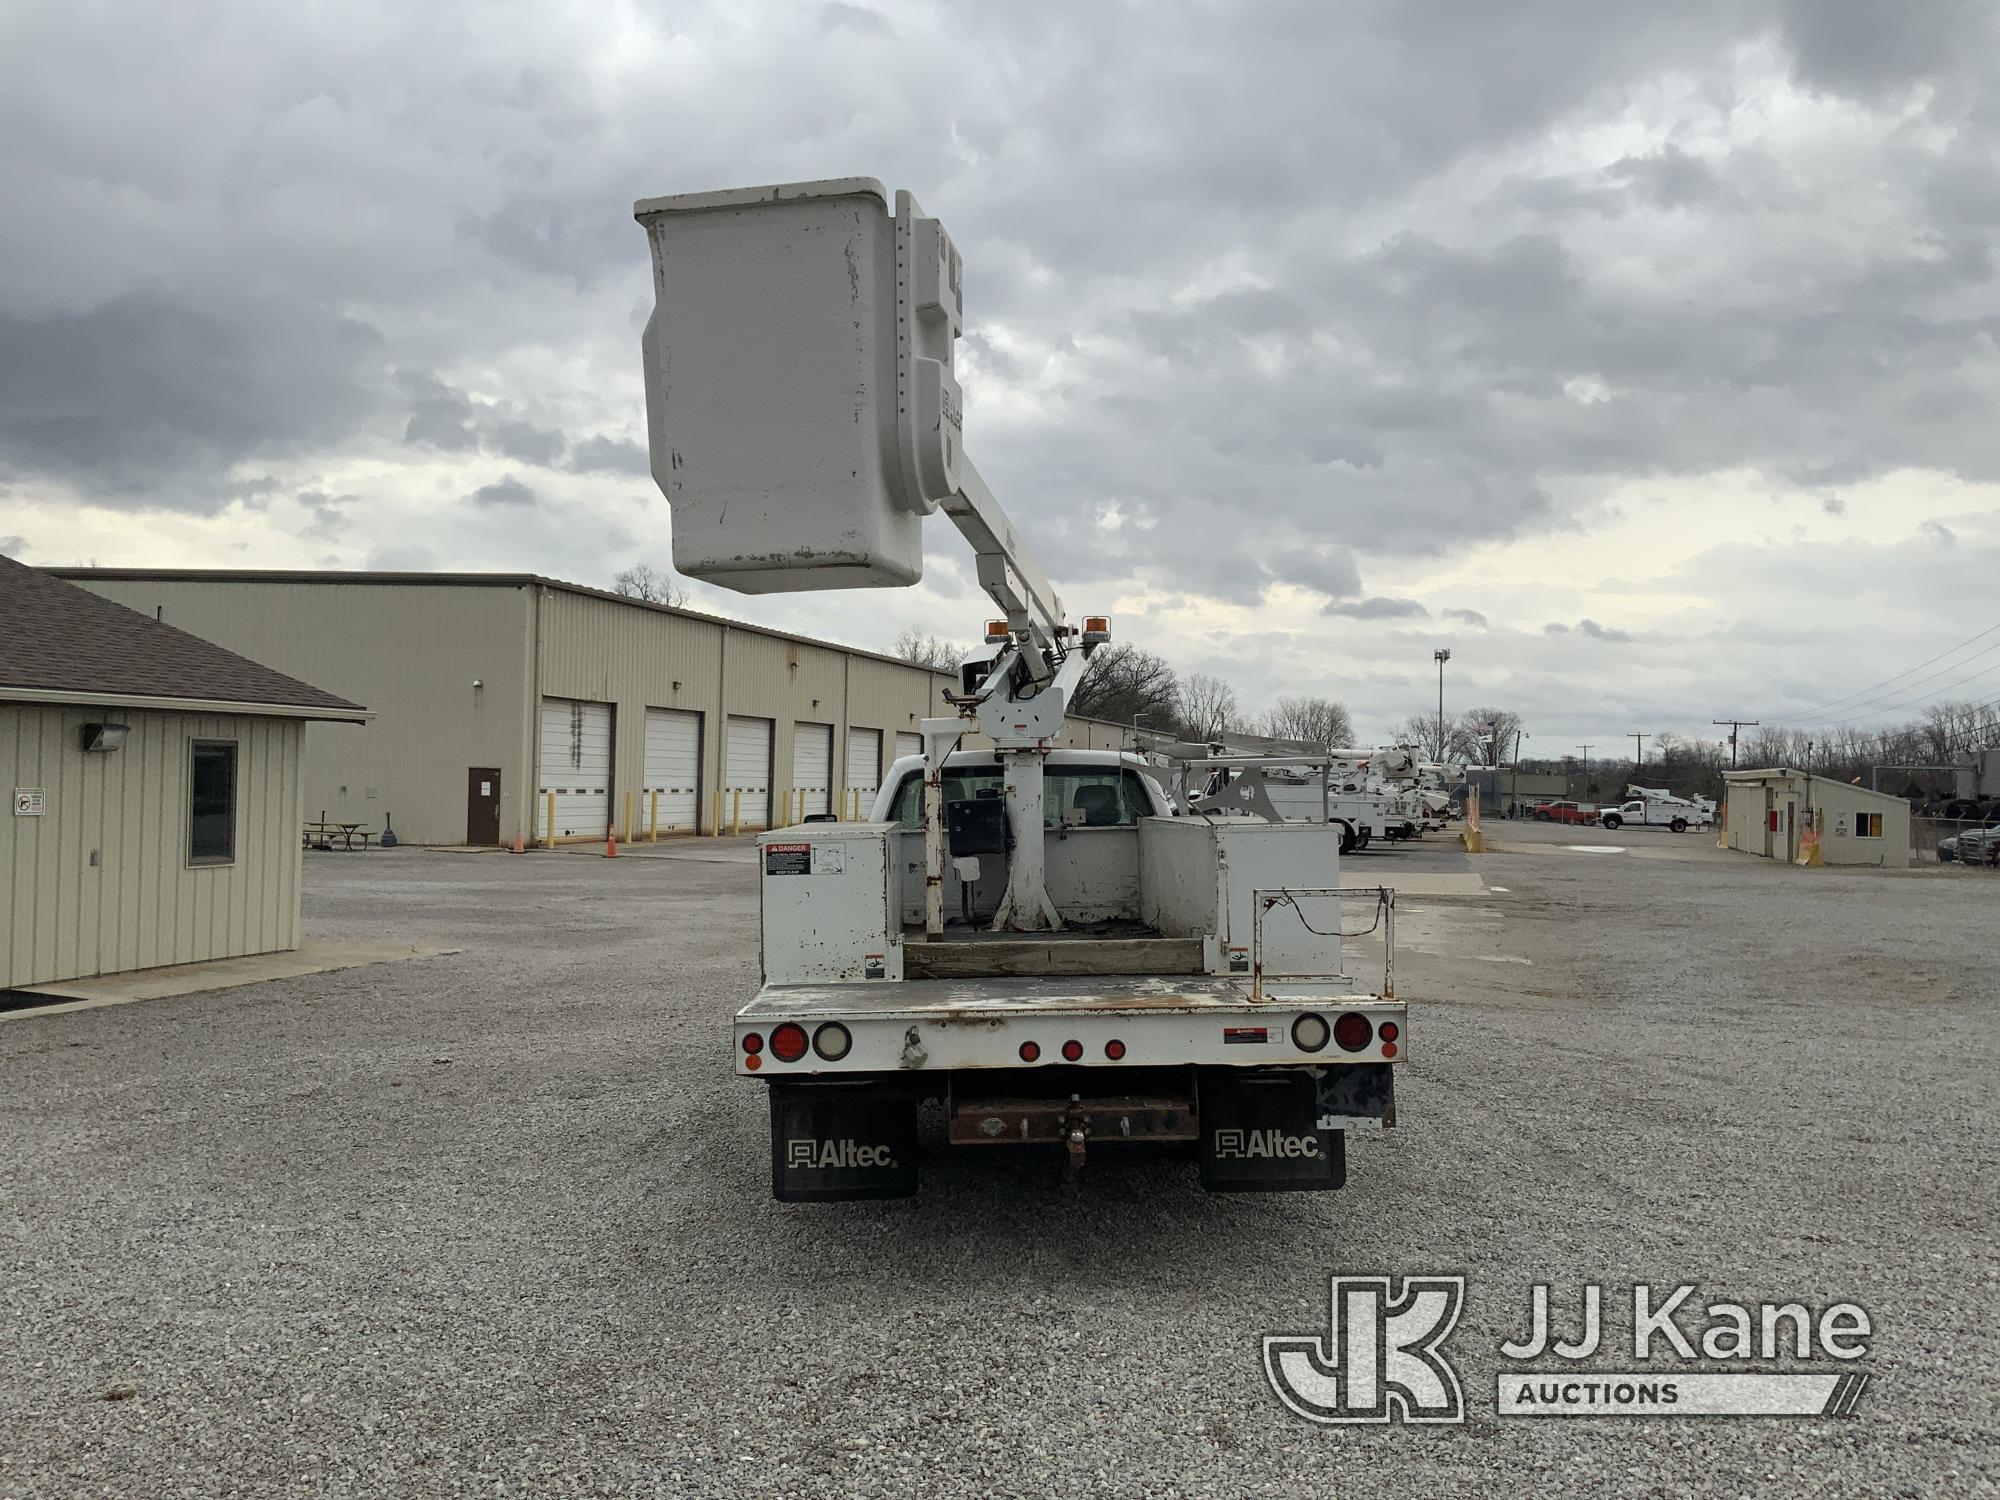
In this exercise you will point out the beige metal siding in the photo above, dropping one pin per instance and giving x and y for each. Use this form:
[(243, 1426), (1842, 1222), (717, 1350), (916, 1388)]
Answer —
[(411, 652), (141, 904)]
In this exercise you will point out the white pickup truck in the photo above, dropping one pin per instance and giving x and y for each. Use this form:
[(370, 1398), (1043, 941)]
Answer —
[(1195, 993)]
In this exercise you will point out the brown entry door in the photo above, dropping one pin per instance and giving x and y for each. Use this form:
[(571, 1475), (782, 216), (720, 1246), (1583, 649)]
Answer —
[(482, 805)]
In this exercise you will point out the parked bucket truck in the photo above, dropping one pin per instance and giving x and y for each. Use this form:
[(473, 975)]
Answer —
[(1024, 934)]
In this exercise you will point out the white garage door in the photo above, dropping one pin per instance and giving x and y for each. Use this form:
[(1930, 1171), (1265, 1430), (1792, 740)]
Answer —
[(576, 766), (908, 743), (812, 769), (748, 772), (864, 770), (673, 770)]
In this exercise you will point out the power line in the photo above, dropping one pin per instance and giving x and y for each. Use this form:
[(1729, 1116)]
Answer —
[(1895, 707), (1873, 687)]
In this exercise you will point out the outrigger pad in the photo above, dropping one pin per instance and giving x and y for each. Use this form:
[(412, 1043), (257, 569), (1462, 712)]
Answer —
[(1260, 1134), (835, 1142)]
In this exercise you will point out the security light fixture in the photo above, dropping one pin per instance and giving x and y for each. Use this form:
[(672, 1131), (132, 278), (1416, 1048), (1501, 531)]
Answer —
[(105, 737)]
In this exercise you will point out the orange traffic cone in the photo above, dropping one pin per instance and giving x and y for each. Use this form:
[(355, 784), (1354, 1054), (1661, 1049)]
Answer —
[(611, 844)]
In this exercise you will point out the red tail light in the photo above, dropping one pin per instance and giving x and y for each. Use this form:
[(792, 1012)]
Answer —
[(1114, 1049), (752, 1043), (1353, 1031), (1030, 1051), (1072, 1051), (788, 1042), (1388, 1031)]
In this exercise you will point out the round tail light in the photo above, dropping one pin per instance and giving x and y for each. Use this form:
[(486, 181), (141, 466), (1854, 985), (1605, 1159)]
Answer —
[(833, 1041), (788, 1042), (1353, 1031), (1030, 1051), (1114, 1049), (1310, 1033), (752, 1043), (1388, 1031), (1072, 1051)]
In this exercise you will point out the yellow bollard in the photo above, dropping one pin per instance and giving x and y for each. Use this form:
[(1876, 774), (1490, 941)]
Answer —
[(655, 819), (735, 811), (628, 817), (550, 842)]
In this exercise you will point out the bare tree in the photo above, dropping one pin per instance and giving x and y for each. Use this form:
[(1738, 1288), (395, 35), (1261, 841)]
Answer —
[(1206, 707), (1124, 683), (921, 649), (1485, 736), (1313, 721), (644, 581), (1427, 733)]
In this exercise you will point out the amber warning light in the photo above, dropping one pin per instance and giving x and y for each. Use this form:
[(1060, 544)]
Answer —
[(1096, 629)]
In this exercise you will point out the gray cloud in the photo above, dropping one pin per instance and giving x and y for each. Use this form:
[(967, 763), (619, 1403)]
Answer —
[(13, 546), (1377, 608), (149, 398), (1395, 302), (604, 455), (1599, 632), (506, 490)]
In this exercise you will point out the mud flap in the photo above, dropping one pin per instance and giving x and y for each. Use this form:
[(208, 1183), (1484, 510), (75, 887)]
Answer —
[(1260, 1134), (835, 1142)]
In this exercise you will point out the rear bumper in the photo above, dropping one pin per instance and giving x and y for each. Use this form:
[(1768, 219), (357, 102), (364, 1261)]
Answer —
[(1106, 1025)]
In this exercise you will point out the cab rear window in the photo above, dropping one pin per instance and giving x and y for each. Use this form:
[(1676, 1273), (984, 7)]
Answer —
[(1091, 796)]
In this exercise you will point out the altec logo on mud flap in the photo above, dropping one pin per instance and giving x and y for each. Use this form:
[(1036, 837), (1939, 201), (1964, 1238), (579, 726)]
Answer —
[(1382, 1359), (841, 1153), (1246, 1145)]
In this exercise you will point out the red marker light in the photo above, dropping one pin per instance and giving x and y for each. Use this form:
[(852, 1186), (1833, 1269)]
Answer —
[(789, 1042), (752, 1043), (753, 1062), (1114, 1049), (1353, 1031), (1388, 1049), (1030, 1051), (1072, 1050), (1388, 1031)]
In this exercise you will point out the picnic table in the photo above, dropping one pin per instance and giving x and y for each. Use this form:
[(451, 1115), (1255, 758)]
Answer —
[(320, 834)]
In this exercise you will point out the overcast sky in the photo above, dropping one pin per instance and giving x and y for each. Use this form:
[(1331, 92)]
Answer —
[(1644, 356)]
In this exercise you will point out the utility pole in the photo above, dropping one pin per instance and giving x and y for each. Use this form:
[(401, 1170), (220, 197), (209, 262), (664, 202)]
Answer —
[(1640, 763), (1586, 768), (1734, 726), (1441, 656)]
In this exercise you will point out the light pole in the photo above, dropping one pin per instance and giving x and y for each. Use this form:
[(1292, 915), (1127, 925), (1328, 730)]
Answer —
[(1441, 656)]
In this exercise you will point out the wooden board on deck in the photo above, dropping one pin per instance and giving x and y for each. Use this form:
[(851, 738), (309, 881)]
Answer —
[(1030, 957)]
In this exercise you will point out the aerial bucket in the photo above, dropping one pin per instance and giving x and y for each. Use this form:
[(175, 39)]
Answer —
[(800, 400)]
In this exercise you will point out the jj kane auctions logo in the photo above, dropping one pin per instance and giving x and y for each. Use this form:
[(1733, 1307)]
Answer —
[(1383, 1358)]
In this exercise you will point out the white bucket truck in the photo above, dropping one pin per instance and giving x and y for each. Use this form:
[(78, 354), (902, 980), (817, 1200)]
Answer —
[(1656, 807), (1021, 933)]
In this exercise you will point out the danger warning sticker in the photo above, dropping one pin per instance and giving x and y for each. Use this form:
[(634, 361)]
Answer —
[(788, 859)]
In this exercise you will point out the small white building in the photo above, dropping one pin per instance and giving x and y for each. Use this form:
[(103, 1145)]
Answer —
[(156, 785), (1770, 811)]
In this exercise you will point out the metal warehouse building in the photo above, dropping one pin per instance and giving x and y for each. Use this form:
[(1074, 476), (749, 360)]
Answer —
[(1769, 811), (156, 788), (510, 705)]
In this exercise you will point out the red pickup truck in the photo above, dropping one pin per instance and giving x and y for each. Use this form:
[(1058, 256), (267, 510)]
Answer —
[(1565, 812)]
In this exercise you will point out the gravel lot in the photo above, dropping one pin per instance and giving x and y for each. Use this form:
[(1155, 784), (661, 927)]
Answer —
[(498, 1223)]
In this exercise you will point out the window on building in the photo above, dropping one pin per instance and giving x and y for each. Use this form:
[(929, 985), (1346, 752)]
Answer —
[(212, 803), (1868, 825)]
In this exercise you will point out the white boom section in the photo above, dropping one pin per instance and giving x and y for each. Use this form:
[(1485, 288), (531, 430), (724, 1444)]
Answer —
[(804, 416)]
